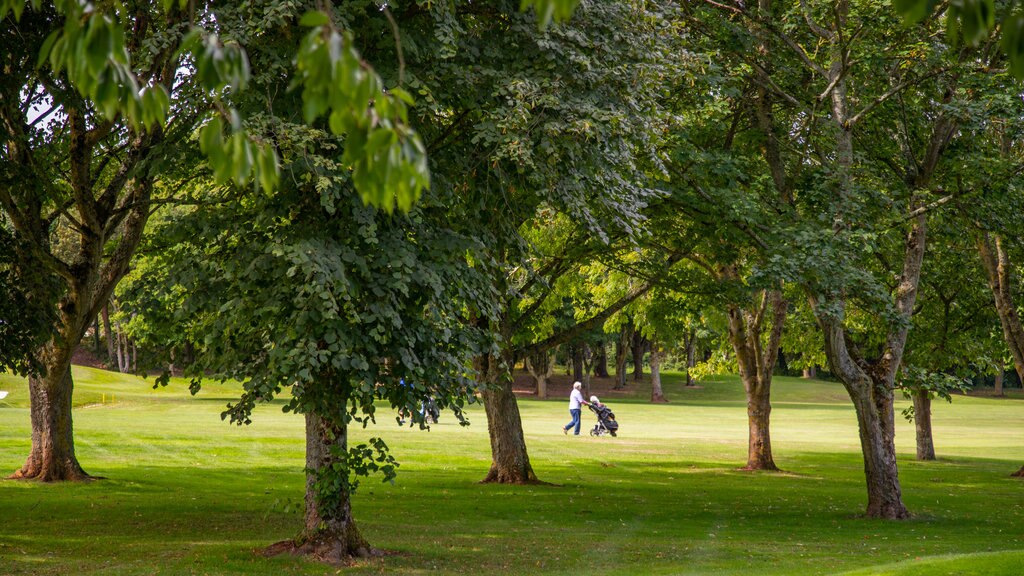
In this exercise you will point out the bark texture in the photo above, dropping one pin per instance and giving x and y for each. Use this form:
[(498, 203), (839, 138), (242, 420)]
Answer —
[(329, 531), (998, 269), (923, 425), (52, 456), (871, 385), (756, 363), (638, 346), (657, 354), (510, 463), (621, 351)]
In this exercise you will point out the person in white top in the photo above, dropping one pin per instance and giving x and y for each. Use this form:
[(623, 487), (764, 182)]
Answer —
[(575, 401)]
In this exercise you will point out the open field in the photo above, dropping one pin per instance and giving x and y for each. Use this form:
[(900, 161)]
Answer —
[(186, 493)]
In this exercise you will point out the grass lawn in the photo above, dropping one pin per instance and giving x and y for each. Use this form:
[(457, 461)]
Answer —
[(186, 493)]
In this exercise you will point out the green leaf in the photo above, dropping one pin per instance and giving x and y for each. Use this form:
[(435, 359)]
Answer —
[(314, 18)]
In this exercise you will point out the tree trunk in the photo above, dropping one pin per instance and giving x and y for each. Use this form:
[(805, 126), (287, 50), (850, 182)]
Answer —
[(870, 386), (601, 364), (577, 362), (621, 349), (657, 395), (96, 336), (541, 367), (998, 269), (876, 420), (756, 364), (638, 347), (510, 464), (109, 334), (588, 365), (999, 383), (691, 355), (923, 425), (52, 457), (329, 533), (810, 372)]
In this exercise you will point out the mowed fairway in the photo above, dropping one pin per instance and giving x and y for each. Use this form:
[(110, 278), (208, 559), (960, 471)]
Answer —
[(186, 493)]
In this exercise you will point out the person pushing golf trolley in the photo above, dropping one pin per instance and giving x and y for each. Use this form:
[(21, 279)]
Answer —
[(575, 401)]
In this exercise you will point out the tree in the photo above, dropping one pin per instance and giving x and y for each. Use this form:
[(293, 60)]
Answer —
[(94, 118), (843, 90), (565, 121)]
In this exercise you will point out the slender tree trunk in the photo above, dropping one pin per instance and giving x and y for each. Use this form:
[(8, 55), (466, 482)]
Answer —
[(577, 362), (621, 348), (52, 457), (998, 269), (96, 336), (329, 533), (601, 364), (810, 372), (638, 347), (923, 425), (109, 334), (691, 356), (999, 383), (510, 464), (657, 395)]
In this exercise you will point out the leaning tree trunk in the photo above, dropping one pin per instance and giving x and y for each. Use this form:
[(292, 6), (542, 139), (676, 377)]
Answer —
[(329, 533), (876, 419), (52, 457), (998, 268), (510, 464), (923, 425), (657, 394)]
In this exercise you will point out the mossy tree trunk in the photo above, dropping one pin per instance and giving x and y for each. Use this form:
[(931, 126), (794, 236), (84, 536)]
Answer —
[(329, 531)]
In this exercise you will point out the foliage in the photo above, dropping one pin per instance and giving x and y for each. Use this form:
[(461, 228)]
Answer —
[(913, 379)]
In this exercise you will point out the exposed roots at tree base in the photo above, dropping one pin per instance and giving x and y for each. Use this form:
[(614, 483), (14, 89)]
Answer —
[(496, 476), (888, 513), (323, 549), (53, 474), (770, 467), (1018, 473), (659, 400)]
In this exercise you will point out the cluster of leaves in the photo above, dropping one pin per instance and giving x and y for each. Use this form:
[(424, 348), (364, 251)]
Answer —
[(388, 159), (26, 309), (914, 379), (975, 21)]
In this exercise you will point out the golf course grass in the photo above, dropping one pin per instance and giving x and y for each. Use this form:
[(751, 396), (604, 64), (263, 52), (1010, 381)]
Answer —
[(186, 493)]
